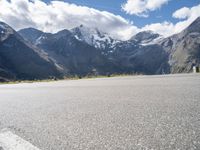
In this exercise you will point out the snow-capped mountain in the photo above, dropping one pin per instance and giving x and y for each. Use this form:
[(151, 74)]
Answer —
[(82, 50), (93, 37), (75, 56)]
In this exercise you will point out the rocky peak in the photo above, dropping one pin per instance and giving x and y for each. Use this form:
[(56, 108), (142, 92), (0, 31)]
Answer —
[(92, 36), (5, 31)]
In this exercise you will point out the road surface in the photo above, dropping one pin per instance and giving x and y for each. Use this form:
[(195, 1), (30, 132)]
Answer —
[(124, 113)]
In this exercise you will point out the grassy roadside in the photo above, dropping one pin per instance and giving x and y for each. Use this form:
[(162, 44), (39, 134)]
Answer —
[(72, 78), (67, 78)]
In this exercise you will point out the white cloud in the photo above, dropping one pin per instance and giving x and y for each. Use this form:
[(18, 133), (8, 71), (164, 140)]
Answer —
[(168, 28), (187, 13), (182, 13), (142, 7), (58, 15), (165, 28)]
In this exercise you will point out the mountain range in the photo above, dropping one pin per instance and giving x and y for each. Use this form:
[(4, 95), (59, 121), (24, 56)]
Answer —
[(32, 54)]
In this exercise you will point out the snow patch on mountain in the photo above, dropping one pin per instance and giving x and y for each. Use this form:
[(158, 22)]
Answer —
[(39, 40), (93, 37), (152, 41)]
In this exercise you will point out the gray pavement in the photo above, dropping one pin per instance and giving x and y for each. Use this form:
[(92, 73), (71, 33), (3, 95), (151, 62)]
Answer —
[(120, 113)]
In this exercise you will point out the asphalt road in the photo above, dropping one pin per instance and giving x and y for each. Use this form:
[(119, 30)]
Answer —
[(141, 112)]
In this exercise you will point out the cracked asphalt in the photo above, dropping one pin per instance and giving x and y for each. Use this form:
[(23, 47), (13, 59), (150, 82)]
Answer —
[(119, 113)]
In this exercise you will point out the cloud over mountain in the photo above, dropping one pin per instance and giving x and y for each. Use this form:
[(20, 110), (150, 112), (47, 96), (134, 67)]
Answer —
[(58, 15), (166, 28)]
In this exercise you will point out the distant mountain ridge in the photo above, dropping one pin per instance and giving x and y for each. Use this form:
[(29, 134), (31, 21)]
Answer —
[(75, 56), (88, 51)]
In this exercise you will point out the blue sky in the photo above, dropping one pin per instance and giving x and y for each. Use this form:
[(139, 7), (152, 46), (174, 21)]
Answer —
[(114, 6), (121, 19)]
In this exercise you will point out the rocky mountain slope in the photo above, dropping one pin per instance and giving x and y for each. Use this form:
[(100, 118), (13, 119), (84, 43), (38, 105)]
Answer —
[(20, 60), (85, 51), (183, 48), (75, 56), (150, 53)]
